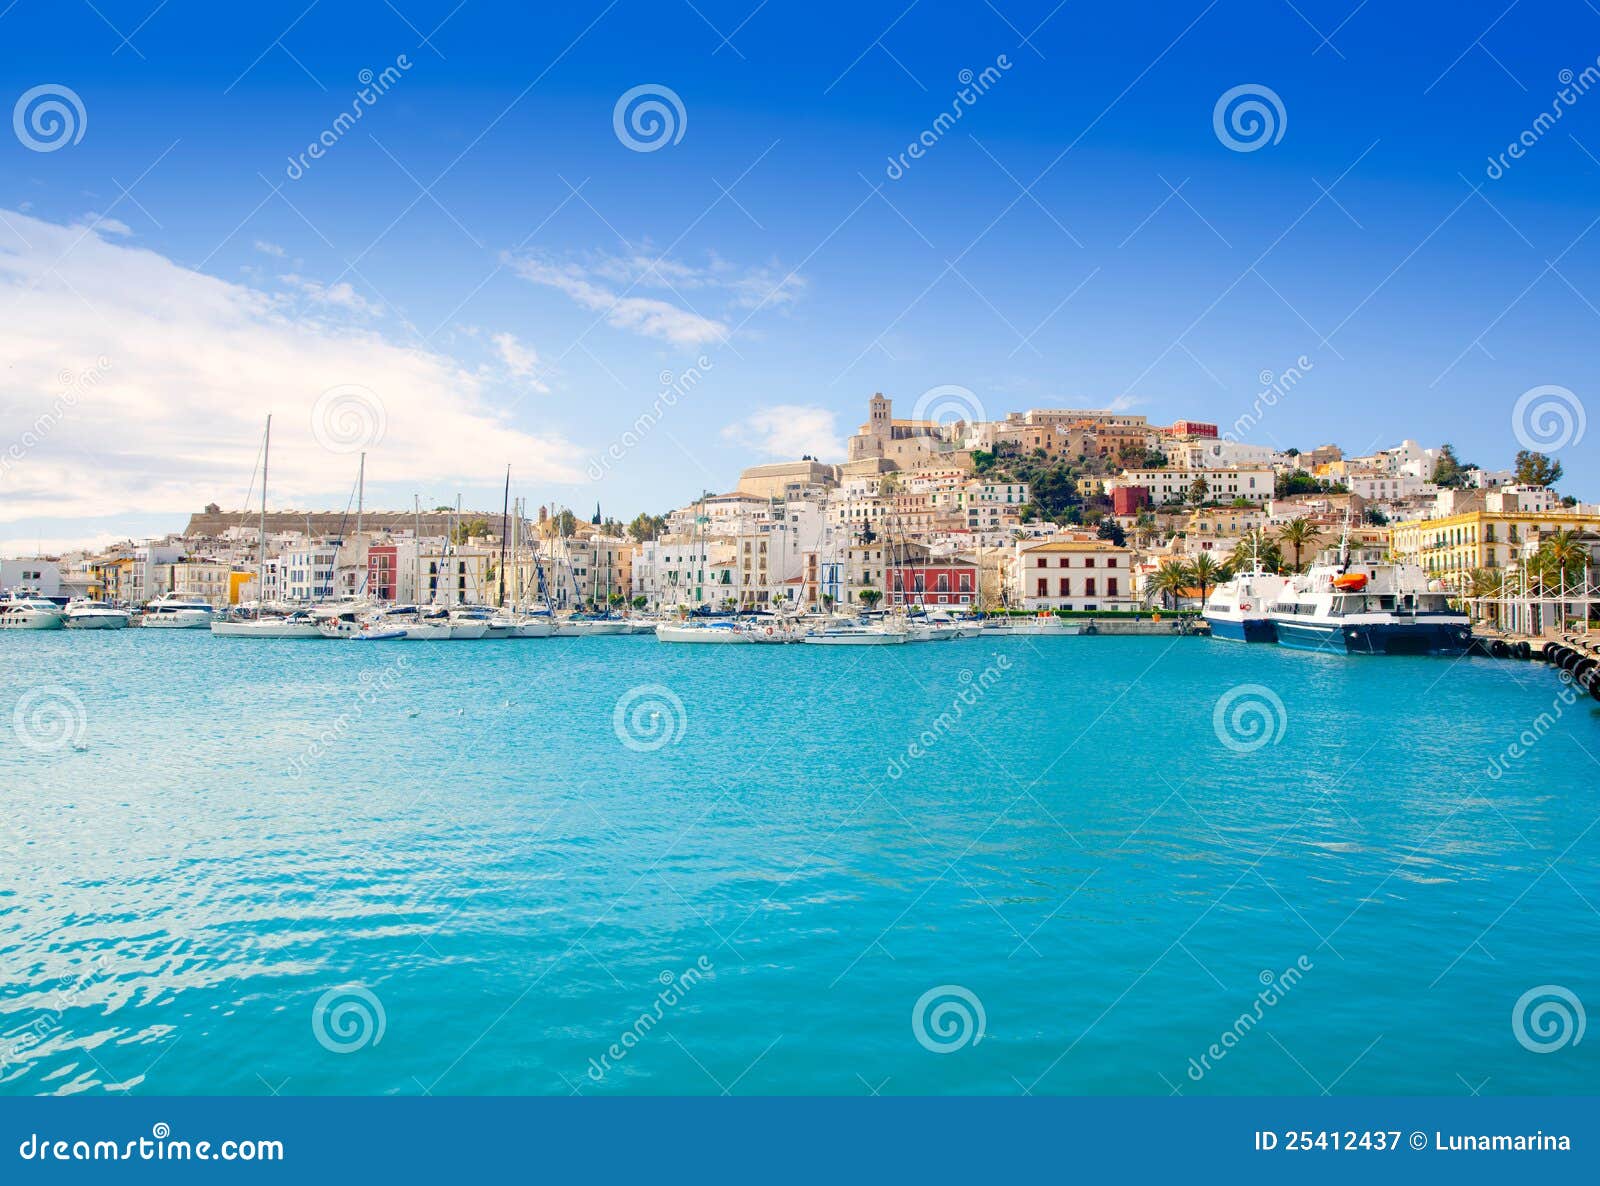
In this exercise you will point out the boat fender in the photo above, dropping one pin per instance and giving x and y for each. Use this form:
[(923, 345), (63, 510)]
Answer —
[(769, 631), (1522, 650), (1499, 649), (1244, 606)]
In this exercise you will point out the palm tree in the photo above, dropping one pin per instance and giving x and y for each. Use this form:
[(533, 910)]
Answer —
[(1564, 554), (870, 598), (1169, 582), (1299, 534), (1256, 545), (1204, 572)]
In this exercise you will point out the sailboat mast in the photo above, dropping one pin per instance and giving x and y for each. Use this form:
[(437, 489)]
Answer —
[(505, 520), (361, 491), (261, 562)]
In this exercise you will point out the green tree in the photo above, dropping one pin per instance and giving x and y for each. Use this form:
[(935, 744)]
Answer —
[(1168, 582), (1111, 530), (1535, 469), (1299, 534), (1198, 491), (870, 598), (640, 601), (1448, 471), (1204, 571)]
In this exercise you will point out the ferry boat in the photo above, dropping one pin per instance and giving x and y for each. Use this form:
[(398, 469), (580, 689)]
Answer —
[(84, 614), (172, 611), (23, 609), (1239, 609), (1367, 605)]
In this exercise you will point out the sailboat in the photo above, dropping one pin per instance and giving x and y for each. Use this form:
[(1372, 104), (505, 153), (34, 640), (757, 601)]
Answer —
[(299, 625)]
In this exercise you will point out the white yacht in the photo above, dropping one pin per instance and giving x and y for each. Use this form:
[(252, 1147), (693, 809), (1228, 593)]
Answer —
[(299, 624), (85, 614), (858, 634), (578, 626), (719, 630), (1014, 627), (22, 609), (1367, 605), (173, 611)]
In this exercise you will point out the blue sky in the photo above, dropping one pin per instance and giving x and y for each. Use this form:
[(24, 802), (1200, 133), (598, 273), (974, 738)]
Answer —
[(1081, 236)]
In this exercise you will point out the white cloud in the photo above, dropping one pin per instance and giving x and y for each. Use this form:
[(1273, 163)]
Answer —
[(185, 368), (610, 284), (266, 248), (641, 315), (105, 224), (522, 361), (341, 295), (787, 431)]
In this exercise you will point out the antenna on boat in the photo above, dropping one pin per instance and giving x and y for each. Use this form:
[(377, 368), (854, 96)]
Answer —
[(1344, 540)]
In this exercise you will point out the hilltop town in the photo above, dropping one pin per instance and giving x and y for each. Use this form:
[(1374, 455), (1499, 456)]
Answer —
[(1067, 509)]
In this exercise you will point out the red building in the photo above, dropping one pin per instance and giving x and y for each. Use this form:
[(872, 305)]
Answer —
[(1129, 500), (1190, 428), (915, 577), (382, 571)]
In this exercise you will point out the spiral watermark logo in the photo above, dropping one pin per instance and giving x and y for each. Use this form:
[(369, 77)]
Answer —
[(948, 406), (648, 117), (947, 1018), (348, 1018), (649, 717), (1548, 418), (1248, 117), (49, 718), (1547, 1018), (1248, 717), (48, 117), (348, 418)]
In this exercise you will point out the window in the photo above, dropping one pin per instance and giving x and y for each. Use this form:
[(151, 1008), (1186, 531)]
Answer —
[(1111, 586), (1043, 589), (1111, 561), (1066, 587), (1088, 561), (1088, 587)]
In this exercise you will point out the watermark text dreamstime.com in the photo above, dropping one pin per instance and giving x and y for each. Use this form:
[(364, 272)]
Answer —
[(1273, 388), (1573, 87), (158, 1146), (1534, 731), (72, 386), (1274, 987), (973, 87), (674, 988), (673, 388), (372, 685), (973, 690), (374, 85)]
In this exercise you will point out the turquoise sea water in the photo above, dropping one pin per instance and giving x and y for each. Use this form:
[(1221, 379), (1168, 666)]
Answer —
[(236, 866)]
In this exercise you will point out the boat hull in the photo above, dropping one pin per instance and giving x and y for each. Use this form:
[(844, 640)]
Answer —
[(533, 630), (699, 634), (266, 629), (854, 640), (1375, 638), (180, 620), (583, 629), (32, 621), (1243, 629)]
